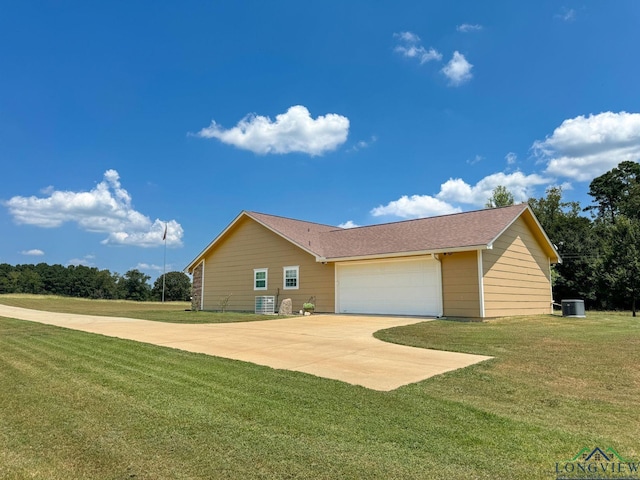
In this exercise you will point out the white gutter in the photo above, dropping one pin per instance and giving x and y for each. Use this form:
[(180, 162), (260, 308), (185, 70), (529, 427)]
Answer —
[(404, 254)]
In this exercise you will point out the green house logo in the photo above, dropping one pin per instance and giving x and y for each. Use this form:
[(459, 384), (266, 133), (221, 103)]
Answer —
[(597, 463)]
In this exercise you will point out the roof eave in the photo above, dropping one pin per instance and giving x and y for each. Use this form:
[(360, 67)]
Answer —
[(414, 253), (242, 214), (288, 239), (555, 257), (199, 257)]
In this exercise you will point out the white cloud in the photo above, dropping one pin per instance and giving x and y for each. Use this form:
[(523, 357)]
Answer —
[(104, 209), (407, 37), (416, 206), (458, 70), (410, 46), (348, 224), (362, 144), (467, 28), (86, 261), (567, 15), (293, 131), (151, 267), (456, 190), (566, 186), (579, 149), (148, 238), (583, 148), (35, 252), (476, 159)]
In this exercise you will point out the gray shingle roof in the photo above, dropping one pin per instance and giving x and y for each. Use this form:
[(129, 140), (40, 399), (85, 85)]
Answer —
[(306, 235), (459, 231), (470, 229)]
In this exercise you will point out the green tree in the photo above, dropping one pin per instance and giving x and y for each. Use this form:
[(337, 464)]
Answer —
[(616, 192), (579, 248), (501, 197), (133, 286), (27, 280), (80, 281), (105, 285), (6, 285), (72, 281), (177, 287), (621, 265), (55, 278)]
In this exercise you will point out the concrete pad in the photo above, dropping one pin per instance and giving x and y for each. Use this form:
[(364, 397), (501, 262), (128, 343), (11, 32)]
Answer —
[(340, 347)]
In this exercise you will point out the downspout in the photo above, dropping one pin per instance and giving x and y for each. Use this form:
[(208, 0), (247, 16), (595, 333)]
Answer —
[(481, 284), (336, 289), (436, 257), (550, 286)]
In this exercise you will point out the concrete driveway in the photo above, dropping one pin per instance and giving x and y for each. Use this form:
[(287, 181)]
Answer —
[(340, 347)]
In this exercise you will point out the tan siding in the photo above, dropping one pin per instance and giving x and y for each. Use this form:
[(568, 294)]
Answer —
[(229, 270), (516, 274), (460, 290)]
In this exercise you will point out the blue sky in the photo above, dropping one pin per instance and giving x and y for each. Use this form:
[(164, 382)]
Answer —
[(120, 118)]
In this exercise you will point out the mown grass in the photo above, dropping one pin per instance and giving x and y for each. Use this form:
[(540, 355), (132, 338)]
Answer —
[(77, 405), (170, 312), (579, 374)]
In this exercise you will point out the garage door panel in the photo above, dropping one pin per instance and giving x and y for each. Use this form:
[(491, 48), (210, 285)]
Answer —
[(391, 287)]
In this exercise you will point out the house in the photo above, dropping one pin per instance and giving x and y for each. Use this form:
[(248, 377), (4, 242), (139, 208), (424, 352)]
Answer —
[(480, 264)]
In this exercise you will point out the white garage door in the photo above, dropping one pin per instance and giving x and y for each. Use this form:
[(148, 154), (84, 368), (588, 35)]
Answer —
[(400, 287)]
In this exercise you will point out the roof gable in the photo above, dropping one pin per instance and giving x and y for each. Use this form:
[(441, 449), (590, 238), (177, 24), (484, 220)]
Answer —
[(474, 230), (306, 235), (300, 233), (468, 230)]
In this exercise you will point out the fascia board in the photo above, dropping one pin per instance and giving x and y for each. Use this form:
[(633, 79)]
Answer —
[(404, 254), (291, 241), (541, 230), (551, 245), (196, 260)]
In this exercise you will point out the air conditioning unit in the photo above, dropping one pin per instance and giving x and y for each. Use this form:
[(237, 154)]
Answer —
[(266, 305), (573, 308)]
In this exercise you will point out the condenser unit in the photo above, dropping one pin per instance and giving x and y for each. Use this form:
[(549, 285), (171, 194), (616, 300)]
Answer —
[(266, 305)]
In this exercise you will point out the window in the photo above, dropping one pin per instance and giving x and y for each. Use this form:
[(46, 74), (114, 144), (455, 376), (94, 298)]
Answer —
[(260, 278), (291, 275)]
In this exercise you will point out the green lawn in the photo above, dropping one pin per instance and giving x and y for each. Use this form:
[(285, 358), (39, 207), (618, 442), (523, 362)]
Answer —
[(171, 312), (77, 405)]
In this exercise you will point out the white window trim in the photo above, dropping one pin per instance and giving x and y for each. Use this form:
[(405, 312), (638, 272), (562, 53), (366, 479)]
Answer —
[(266, 278), (284, 277)]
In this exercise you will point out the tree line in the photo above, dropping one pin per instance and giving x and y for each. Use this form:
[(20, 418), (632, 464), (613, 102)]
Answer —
[(90, 282), (599, 244)]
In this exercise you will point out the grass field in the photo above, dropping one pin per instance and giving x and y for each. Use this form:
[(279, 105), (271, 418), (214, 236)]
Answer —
[(77, 405), (171, 312)]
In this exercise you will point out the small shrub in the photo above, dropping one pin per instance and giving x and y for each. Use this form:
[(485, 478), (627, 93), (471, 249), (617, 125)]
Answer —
[(224, 301)]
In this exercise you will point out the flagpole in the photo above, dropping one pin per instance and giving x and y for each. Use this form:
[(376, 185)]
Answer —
[(164, 263)]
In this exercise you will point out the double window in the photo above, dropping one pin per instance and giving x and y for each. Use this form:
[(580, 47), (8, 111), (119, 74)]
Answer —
[(291, 277)]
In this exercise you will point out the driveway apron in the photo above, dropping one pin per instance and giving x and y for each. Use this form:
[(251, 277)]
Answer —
[(339, 347)]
